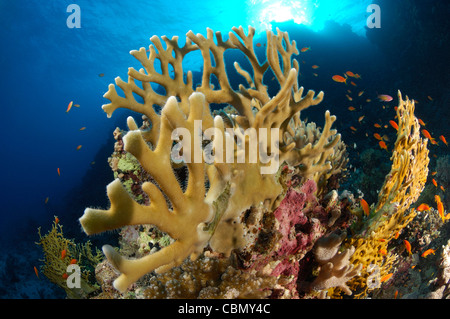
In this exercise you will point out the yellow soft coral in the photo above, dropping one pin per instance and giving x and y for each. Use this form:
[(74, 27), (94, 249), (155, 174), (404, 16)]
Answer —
[(201, 215), (401, 189)]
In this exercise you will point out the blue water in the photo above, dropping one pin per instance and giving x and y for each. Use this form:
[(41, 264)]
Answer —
[(45, 64)]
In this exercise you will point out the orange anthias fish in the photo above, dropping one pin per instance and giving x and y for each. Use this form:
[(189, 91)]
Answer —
[(421, 122), (383, 251), (423, 207), (396, 235), (360, 93), (46, 200), (427, 252), (378, 136), (365, 207), (428, 136), (442, 138), (65, 276), (393, 124), (377, 125), (69, 106), (440, 208), (430, 98), (351, 108), (56, 220), (78, 147), (348, 97), (353, 83), (350, 73), (434, 182), (59, 172), (83, 128), (386, 277), (437, 198), (36, 272), (361, 118), (305, 49), (340, 79), (63, 254), (407, 246), (73, 261), (353, 128), (383, 145), (315, 66), (385, 97)]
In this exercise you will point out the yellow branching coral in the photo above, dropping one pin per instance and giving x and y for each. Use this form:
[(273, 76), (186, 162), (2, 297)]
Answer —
[(55, 263), (205, 211), (401, 189)]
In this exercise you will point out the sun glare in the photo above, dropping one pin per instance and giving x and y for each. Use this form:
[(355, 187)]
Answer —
[(266, 11)]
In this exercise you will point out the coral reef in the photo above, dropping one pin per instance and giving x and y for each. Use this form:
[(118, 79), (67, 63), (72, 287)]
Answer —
[(267, 226), (198, 216)]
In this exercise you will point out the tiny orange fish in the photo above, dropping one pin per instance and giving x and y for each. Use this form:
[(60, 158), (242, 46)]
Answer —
[(361, 118), (357, 76), (351, 108), (83, 128), (442, 138), (427, 134), (423, 207), (360, 93), (433, 173), (368, 100), (65, 276), (348, 97), (56, 220), (430, 98), (378, 136), (393, 124), (59, 172), (383, 251), (63, 254), (385, 97), (434, 182), (315, 66), (442, 188), (305, 49), (396, 294), (103, 74), (386, 277), (73, 261), (407, 246), (46, 200), (427, 252), (353, 128), (78, 147), (69, 106), (383, 145), (315, 74), (350, 73), (440, 208), (365, 207), (377, 125), (437, 198), (421, 122), (76, 105), (36, 272), (340, 79), (396, 235), (353, 83)]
